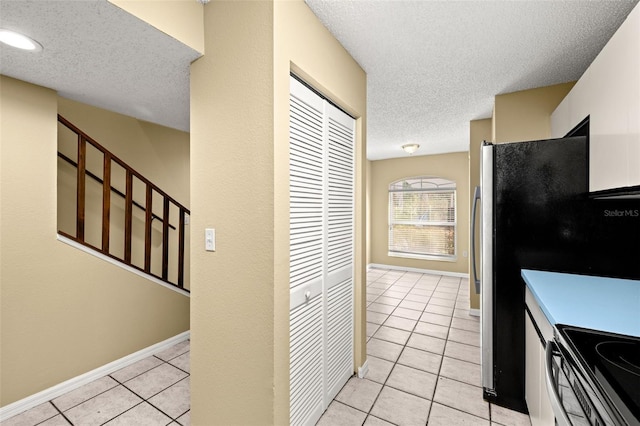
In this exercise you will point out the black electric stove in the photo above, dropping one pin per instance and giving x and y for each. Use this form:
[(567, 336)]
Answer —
[(611, 364)]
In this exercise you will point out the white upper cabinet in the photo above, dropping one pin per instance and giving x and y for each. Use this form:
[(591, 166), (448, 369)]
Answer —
[(609, 92)]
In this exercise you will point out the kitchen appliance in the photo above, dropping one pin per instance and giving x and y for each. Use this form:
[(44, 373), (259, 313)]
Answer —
[(593, 377), (536, 213)]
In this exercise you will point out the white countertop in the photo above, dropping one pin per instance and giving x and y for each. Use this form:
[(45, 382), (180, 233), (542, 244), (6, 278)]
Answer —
[(598, 303)]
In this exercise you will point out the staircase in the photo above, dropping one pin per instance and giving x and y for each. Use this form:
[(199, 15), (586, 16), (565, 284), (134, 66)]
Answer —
[(107, 206)]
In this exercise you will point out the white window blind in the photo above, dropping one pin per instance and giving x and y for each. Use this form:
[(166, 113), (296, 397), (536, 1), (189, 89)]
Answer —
[(422, 218)]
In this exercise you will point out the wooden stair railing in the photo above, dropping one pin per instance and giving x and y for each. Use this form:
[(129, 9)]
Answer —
[(129, 203)]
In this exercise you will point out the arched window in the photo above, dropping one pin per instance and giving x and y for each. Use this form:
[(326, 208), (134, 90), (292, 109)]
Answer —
[(422, 218)]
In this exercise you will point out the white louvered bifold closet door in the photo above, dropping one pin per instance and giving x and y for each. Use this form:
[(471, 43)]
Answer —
[(340, 133), (306, 209), (321, 141)]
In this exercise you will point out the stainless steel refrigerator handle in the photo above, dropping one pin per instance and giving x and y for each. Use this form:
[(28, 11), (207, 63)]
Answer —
[(562, 419), (476, 198), (486, 269)]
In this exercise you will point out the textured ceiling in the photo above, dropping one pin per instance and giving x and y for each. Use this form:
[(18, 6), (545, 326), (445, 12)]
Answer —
[(98, 54), (432, 66)]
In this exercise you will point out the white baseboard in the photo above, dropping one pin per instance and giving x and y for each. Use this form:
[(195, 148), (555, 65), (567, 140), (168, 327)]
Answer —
[(362, 371), (422, 271), (60, 389), (474, 312)]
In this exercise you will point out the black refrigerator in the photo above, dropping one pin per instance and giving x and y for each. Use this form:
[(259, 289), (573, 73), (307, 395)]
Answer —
[(536, 213)]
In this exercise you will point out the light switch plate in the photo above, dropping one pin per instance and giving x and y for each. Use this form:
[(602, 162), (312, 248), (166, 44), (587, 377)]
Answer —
[(210, 239)]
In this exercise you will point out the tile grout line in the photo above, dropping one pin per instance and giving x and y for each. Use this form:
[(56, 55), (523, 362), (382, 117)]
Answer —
[(458, 381), (61, 413), (157, 393), (142, 402), (438, 375), (402, 350), (446, 340), (442, 355), (88, 399), (122, 383), (394, 363)]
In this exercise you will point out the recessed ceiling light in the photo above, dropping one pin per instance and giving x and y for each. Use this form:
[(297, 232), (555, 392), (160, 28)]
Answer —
[(19, 41)]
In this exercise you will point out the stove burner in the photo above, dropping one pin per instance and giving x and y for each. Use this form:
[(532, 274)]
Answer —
[(613, 360), (623, 355), (621, 360)]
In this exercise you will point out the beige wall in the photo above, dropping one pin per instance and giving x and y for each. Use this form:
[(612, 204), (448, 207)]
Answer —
[(232, 175), (526, 115), (239, 166), (181, 19), (62, 312), (453, 166), (479, 131)]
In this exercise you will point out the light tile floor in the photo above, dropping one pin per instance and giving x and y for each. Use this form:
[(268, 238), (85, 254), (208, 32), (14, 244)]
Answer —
[(424, 368), (153, 391), (423, 352)]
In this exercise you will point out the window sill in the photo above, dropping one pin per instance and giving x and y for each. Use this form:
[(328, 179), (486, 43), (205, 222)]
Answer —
[(423, 256)]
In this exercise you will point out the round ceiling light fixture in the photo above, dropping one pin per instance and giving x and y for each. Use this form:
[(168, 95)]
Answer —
[(19, 41), (410, 148)]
